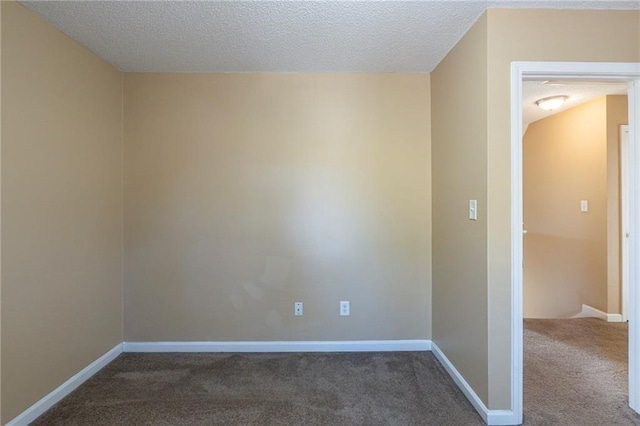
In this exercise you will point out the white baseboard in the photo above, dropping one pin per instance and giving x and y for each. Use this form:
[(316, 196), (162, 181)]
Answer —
[(614, 317), (294, 346), (591, 312), (502, 418), (491, 417), (37, 409)]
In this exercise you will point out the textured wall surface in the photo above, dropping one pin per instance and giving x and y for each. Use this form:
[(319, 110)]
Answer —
[(247, 192), (61, 208)]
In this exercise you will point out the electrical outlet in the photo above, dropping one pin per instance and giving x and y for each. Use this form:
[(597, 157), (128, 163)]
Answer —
[(297, 309), (344, 308)]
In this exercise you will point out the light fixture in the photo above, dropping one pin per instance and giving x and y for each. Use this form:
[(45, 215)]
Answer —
[(551, 103)]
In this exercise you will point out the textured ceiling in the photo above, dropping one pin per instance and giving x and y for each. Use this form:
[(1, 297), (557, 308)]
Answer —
[(578, 92), (277, 36)]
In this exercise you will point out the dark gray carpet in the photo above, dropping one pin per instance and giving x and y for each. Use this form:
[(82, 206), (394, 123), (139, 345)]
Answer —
[(392, 388), (575, 373)]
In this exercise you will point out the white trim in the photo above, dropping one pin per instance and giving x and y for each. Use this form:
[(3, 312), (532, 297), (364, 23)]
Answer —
[(40, 407), (591, 312), (617, 71), (614, 318), (466, 389), (288, 346), (634, 244), (624, 225), (491, 417), (587, 71), (517, 253)]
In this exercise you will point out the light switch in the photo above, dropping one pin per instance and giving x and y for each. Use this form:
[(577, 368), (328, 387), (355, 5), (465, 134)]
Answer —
[(473, 209), (584, 206)]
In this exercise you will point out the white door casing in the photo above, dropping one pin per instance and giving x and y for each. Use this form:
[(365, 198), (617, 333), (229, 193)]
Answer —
[(624, 225), (627, 72)]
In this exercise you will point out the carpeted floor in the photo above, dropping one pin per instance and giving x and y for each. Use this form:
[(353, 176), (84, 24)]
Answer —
[(393, 388), (575, 373)]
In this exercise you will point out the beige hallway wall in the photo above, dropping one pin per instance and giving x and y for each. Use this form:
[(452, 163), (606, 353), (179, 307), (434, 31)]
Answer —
[(247, 192), (459, 174), (61, 208), (515, 35), (565, 250)]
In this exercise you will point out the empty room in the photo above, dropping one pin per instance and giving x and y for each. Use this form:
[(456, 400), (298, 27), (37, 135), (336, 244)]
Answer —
[(280, 212)]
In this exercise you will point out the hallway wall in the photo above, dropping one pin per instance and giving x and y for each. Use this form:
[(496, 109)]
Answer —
[(565, 250)]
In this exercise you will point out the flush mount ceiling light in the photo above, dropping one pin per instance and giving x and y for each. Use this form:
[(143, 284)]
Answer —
[(551, 103)]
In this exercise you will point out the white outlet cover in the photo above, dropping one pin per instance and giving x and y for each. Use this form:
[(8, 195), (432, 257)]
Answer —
[(344, 308)]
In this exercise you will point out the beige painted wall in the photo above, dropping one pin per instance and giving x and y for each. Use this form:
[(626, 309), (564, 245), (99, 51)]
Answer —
[(511, 35), (515, 35), (245, 193), (565, 250), (617, 114), (459, 133), (272, 211), (61, 208)]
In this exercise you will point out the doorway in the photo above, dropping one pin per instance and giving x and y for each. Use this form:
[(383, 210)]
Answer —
[(575, 365), (623, 72)]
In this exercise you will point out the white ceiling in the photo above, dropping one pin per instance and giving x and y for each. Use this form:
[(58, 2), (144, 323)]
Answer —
[(277, 36), (578, 92)]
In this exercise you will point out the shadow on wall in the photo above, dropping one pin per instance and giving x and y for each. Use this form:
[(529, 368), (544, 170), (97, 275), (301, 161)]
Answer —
[(559, 267)]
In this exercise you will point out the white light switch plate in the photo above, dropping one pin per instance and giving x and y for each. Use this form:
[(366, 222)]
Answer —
[(584, 206), (473, 209)]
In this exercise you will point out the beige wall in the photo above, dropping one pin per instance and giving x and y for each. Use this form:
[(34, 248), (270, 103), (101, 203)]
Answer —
[(482, 155), (515, 35), (459, 132), (617, 114), (61, 208), (565, 250), (247, 192)]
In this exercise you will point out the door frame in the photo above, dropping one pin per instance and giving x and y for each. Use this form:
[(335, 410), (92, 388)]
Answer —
[(624, 72), (624, 221)]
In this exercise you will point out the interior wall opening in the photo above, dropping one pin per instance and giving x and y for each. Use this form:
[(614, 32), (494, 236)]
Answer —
[(575, 339), (628, 73)]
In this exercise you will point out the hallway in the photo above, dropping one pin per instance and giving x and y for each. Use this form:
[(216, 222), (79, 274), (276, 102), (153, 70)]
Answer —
[(575, 372)]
